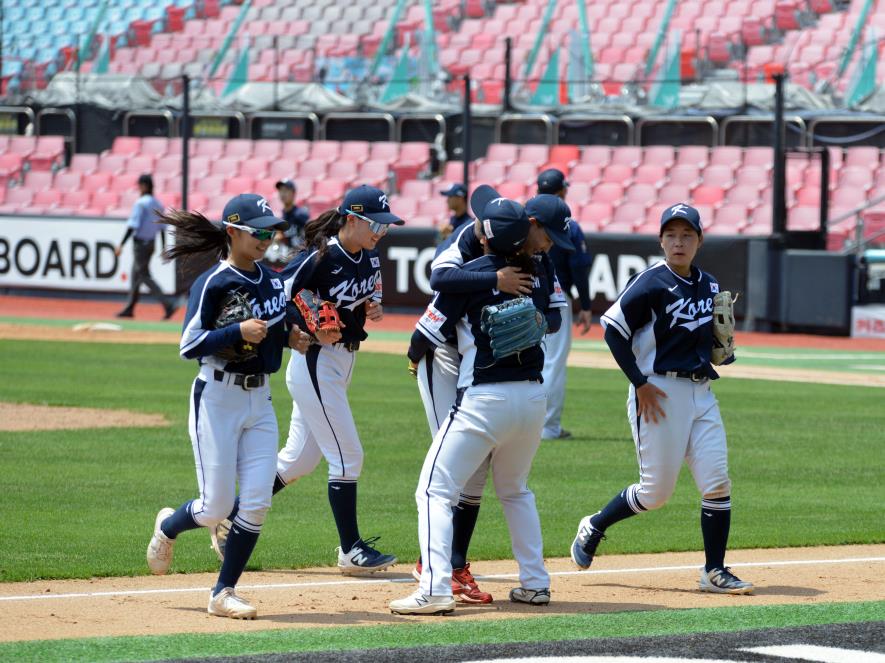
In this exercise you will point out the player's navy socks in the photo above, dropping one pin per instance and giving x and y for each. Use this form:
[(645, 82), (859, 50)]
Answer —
[(178, 522), (237, 551), (464, 517), (615, 511), (715, 523), (278, 485), (342, 498)]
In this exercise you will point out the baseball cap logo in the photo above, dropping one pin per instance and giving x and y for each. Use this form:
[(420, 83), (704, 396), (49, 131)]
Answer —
[(487, 227), (265, 207), (678, 209), (383, 200), (357, 208), (233, 218), (497, 201)]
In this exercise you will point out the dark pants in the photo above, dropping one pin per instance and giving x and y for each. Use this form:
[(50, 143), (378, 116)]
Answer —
[(141, 274)]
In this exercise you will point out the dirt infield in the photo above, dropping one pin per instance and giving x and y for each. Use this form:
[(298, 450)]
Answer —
[(310, 598), (24, 417)]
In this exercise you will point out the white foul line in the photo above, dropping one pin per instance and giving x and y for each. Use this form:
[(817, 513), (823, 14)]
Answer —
[(381, 581)]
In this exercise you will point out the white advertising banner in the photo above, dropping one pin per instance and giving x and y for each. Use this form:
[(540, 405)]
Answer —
[(71, 253), (868, 322)]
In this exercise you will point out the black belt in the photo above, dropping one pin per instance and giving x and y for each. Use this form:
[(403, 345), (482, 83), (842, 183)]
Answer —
[(247, 382), (687, 375), (350, 346)]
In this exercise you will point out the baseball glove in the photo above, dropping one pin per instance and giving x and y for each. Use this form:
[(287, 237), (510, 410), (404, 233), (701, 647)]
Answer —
[(234, 309), (318, 315), (723, 326), (513, 326)]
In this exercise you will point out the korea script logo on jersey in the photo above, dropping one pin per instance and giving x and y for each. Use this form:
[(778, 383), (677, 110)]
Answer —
[(688, 310), (350, 293), (269, 307)]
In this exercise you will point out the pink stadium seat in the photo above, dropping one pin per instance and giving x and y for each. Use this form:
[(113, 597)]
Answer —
[(695, 155), (502, 152), (564, 154), (803, 218), (644, 194), (171, 165), (384, 151), (97, 181), (659, 155), (858, 177), (758, 156), (753, 177), (225, 166), (329, 189), (731, 216), (155, 145), (608, 192), (84, 163), (726, 156), (578, 193), (270, 149), (343, 170), (628, 155), (48, 153), (68, 181), (47, 198), (650, 172), (126, 145), (587, 173), (405, 207), (254, 167), (864, 157), (209, 147), (708, 195), (113, 163), (375, 170), (75, 199), (721, 176), (685, 174), (596, 213), (748, 196), (670, 194), (313, 169), (238, 148), (435, 208), (599, 155), (208, 184), (236, 185), (619, 173), (490, 173), (104, 200), (20, 197), (419, 189), (140, 164), (325, 150), (515, 190), (36, 180), (848, 197), (536, 154), (355, 150), (523, 173)]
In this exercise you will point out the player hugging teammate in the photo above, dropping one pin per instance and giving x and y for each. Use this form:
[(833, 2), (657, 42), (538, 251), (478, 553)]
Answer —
[(236, 328), (499, 408)]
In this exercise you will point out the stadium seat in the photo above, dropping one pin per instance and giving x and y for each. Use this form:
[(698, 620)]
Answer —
[(708, 195)]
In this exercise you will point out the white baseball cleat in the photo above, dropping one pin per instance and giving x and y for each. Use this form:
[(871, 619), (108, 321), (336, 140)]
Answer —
[(421, 604), (723, 581), (363, 559), (530, 596), (218, 536), (159, 550), (226, 603)]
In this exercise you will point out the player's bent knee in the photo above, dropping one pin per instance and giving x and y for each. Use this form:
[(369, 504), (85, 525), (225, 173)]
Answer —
[(718, 490), (252, 517), (651, 501), (213, 513)]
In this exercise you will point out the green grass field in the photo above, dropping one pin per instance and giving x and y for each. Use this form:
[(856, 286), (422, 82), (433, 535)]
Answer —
[(806, 462)]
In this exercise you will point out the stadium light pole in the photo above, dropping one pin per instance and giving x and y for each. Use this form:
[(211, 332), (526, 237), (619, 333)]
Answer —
[(465, 132), (185, 136)]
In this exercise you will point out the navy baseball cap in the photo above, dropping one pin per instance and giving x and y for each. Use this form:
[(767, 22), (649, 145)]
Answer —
[(287, 183), (250, 209), (371, 203), (553, 214), (456, 189), (551, 180), (685, 212), (504, 222)]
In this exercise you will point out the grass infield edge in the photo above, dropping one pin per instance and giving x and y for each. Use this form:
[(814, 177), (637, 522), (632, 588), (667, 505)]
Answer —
[(444, 632)]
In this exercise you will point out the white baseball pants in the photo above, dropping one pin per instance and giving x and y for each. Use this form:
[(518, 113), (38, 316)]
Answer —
[(556, 349), (502, 420)]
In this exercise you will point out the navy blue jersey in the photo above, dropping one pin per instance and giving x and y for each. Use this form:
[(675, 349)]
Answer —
[(572, 269), (269, 302), (458, 221), (668, 320), (348, 280), (450, 313), (459, 247)]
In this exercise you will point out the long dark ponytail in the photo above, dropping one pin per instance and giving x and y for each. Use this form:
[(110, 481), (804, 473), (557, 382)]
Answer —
[(318, 231), (195, 235)]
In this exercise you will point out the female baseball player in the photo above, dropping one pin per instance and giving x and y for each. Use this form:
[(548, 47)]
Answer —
[(499, 414), (660, 332), (437, 370), (340, 265), (232, 424)]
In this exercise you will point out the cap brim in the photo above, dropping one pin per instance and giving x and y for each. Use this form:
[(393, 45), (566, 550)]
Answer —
[(384, 217), (483, 195), (264, 222), (560, 239)]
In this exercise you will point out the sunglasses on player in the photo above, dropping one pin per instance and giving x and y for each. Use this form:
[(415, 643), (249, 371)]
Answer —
[(375, 227), (261, 234)]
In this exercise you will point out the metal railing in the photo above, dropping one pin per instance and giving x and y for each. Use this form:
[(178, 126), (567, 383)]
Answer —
[(860, 242)]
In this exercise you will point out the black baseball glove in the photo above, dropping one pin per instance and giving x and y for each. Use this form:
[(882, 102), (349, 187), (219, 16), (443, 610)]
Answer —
[(234, 309)]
